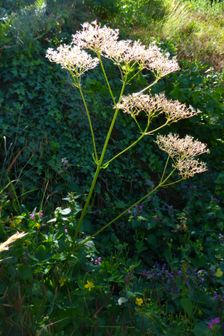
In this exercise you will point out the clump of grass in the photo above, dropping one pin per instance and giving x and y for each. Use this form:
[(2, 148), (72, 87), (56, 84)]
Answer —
[(195, 27)]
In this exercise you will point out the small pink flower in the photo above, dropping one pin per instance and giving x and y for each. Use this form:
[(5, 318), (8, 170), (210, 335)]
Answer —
[(213, 322)]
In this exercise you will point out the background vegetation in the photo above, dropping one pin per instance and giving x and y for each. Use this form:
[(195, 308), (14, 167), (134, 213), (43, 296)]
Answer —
[(174, 241)]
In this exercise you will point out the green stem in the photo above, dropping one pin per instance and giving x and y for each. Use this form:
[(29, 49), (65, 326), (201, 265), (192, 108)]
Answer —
[(106, 79), (158, 128), (120, 215), (90, 121), (172, 183), (149, 86), (165, 167), (137, 123), (127, 148), (141, 200), (99, 164), (136, 74)]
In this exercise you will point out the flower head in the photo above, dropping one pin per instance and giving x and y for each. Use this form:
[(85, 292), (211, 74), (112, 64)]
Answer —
[(189, 167), (94, 37), (186, 147), (151, 58), (155, 60), (32, 216), (139, 301), (135, 103), (89, 285), (153, 105), (124, 52), (72, 58), (183, 152), (213, 322), (173, 109)]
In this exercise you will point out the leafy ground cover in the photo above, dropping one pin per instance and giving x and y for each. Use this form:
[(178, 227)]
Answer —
[(159, 269)]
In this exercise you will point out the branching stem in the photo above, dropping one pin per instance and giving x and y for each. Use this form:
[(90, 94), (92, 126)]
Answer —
[(99, 164)]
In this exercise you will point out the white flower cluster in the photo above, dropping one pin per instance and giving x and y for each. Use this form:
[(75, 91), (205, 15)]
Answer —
[(72, 58), (153, 105), (183, 152), (135, 103), (151, 58), (104, 40), (94, 37)]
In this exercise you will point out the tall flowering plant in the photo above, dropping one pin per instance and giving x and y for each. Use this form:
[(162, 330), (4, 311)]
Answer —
[(131, 57)]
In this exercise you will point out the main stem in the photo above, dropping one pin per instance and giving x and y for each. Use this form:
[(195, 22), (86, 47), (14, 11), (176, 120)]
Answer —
[(99, 165)]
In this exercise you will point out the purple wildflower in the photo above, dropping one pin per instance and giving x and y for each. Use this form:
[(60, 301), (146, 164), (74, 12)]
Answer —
[(96, 261), (213, 322), (32, 215), (216, 296)]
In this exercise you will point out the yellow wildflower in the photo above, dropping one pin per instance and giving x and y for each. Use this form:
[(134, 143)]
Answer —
[(89, 285), (219, 273), (139, 301), (37, 226), (62, 281)]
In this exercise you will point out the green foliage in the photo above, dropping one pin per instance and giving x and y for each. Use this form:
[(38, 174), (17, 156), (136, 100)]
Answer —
[(168, 252), (103, 9), (131, 12), (49, 286)]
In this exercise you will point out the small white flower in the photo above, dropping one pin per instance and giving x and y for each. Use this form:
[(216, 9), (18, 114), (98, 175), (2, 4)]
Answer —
[(121, 301), (94, 37), (72, 58), (174, 110), (183, 152)]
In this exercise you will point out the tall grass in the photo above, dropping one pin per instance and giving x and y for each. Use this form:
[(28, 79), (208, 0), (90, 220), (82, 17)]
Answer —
[(195, 27)]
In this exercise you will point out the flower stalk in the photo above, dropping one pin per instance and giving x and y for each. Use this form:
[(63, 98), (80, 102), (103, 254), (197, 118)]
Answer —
[(99, 164), (131, 57)]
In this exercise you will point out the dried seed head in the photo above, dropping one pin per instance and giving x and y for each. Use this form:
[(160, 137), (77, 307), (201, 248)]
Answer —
[(173, 109), (72, 58), (94, 37)]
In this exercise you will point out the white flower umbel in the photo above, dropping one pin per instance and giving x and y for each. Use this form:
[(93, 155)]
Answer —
[(155, 60), (181, 147), (125, 52), (183, 152), (72, 58), (174, 110), (134, 52), (135, 103), (96, 38), (189, 167)]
